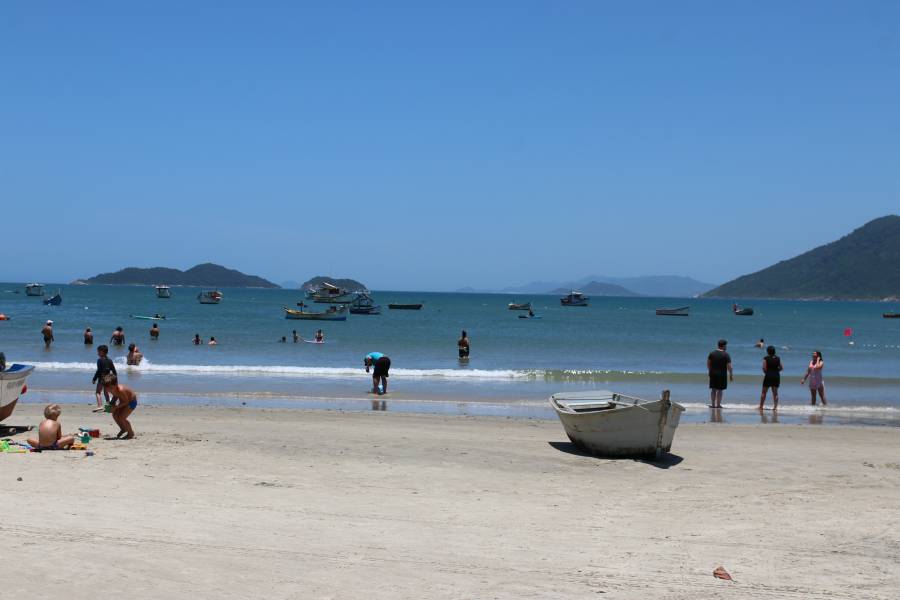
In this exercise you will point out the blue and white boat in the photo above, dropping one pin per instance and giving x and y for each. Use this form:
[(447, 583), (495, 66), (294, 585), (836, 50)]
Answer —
[(12, 385), (54, 300)]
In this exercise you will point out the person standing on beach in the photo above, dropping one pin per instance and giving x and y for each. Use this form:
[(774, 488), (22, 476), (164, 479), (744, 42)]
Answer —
[(814, 375), (463, 345), (118, 337), (296, 336), (47, 332), (380, 365), (154, 332), (88, 337), (104, 367), (771, 366), (125, 401), (718, 364)]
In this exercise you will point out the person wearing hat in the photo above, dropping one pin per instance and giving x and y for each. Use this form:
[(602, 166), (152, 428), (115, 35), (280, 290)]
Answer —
[(718, 364), (47, 332)]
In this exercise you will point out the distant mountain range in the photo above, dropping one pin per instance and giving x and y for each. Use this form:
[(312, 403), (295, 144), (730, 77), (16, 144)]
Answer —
[(652, 285), (205, 275), (864, 265)]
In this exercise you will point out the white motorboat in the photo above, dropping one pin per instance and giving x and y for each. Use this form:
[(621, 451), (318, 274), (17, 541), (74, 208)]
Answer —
[(209, 297), (163, 291), (331, 294), (34, 289), (609, 424), (574, 298), (12, 385)]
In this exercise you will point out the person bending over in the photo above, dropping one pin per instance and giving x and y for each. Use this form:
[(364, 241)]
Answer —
[(124, 401), (380, 365)]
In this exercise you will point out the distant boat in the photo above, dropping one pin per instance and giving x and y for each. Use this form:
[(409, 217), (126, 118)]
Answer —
[(673, 312), (891, 315), (330, 294), (34, 289), (334, 313), (741, 312), (364, 305), (209, 297), (12, 385), (163, 291), (156, 317), (395, 306), (574, 298), (609, 424), (523, 306), (54, 300)]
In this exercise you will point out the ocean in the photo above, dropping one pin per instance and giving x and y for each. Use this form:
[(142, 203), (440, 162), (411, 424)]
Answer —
[(515, 364)]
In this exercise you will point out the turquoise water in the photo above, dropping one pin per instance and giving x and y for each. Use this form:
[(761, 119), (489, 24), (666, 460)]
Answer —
[(616, 343)]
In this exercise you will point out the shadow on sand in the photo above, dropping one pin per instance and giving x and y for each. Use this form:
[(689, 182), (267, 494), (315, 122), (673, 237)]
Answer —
[(663, 462)]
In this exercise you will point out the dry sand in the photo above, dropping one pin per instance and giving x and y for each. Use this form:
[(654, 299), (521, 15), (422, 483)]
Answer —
[(247, 503)]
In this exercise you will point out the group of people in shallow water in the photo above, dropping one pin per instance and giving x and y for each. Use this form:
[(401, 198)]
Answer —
[(718, 365)]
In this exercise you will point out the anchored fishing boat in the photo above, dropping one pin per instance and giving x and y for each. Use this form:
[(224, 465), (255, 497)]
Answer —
[(574, 298), (330, 294), (522, 306), (742, 312), (209, 297), (333, 313), (364, 305), (610, 424), (54, 300), (891, 315), (163, 291), (34, 289), (395, 306), (682, 311), (12, 385)]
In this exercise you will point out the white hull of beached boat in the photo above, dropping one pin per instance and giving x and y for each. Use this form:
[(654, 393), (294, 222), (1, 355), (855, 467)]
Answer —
[(609, 424), (12, 385)]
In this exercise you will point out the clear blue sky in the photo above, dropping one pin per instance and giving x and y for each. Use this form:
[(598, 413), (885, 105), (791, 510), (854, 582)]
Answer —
[(428, 145)]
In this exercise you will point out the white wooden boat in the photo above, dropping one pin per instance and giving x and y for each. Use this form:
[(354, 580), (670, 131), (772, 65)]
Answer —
[(519, 306), (609, 424), (682, 311), (574, 298), (34, 289), (330, 294), (209, 297), (334, 313), (12, 385), (163, 291)]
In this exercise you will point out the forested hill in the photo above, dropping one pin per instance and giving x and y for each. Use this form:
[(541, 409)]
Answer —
[(864, 265), (205, 275)]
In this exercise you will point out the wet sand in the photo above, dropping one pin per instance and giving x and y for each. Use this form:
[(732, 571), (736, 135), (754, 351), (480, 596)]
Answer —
[(252, 503)]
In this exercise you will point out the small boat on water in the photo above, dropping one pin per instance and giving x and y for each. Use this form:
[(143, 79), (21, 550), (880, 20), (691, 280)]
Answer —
[(209, 297), (574, 298), (742, 312), (330, 294), (682, 311), (523, 306), (334, 313), (34, 289), (163, 291), (609, 424), (156, 317), (12, 385), (891, 315), (395, 306), (364, 305), (54, 300)]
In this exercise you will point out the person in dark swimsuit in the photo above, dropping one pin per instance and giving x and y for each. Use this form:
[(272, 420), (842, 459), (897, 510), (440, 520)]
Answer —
[(771, 366), (88, 337), (718, 364), (154, 332), (118, 337), (463, 344), (104, 367)]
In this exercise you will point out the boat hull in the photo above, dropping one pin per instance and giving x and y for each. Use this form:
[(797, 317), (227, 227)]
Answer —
[(12, 382), (405, 306), (744, 312), (370, 310), (163, 292), (54, 300), (891, 315), (674, 312), (34, 290), (297, 315), (514, 306), (619, 429)]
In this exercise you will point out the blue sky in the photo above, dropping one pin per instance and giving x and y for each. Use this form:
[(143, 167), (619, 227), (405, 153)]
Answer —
[(433, 146)]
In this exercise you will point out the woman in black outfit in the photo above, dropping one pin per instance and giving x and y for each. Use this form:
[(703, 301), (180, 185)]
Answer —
[(771, 366)]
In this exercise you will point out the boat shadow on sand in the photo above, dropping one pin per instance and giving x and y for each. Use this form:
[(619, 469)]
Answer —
[(663, 462)]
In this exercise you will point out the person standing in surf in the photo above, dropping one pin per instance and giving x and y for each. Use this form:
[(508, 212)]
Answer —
[(463, 344), (154, 332), (771, 366), (118, 337), (88, 337), (718, 364), (47, 332), (380, 365), (814, 375)]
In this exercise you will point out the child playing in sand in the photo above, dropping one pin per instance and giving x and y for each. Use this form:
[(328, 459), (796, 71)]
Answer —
[(124, 400), (50, 435)]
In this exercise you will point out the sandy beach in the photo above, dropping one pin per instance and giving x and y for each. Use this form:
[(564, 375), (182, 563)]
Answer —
[(250, 503)]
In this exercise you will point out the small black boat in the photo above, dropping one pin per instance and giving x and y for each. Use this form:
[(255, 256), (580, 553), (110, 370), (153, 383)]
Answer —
[(891, 315), (404, 306), (54, 300), (742, 312)]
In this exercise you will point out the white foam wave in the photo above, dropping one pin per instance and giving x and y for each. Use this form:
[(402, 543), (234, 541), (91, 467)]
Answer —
[(797, 408), (291, 371)]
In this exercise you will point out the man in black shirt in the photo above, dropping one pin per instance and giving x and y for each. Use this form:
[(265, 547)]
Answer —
[(718, 364), (105, 366)]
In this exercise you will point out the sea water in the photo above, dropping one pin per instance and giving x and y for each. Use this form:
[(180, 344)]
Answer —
[(615, 343)]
